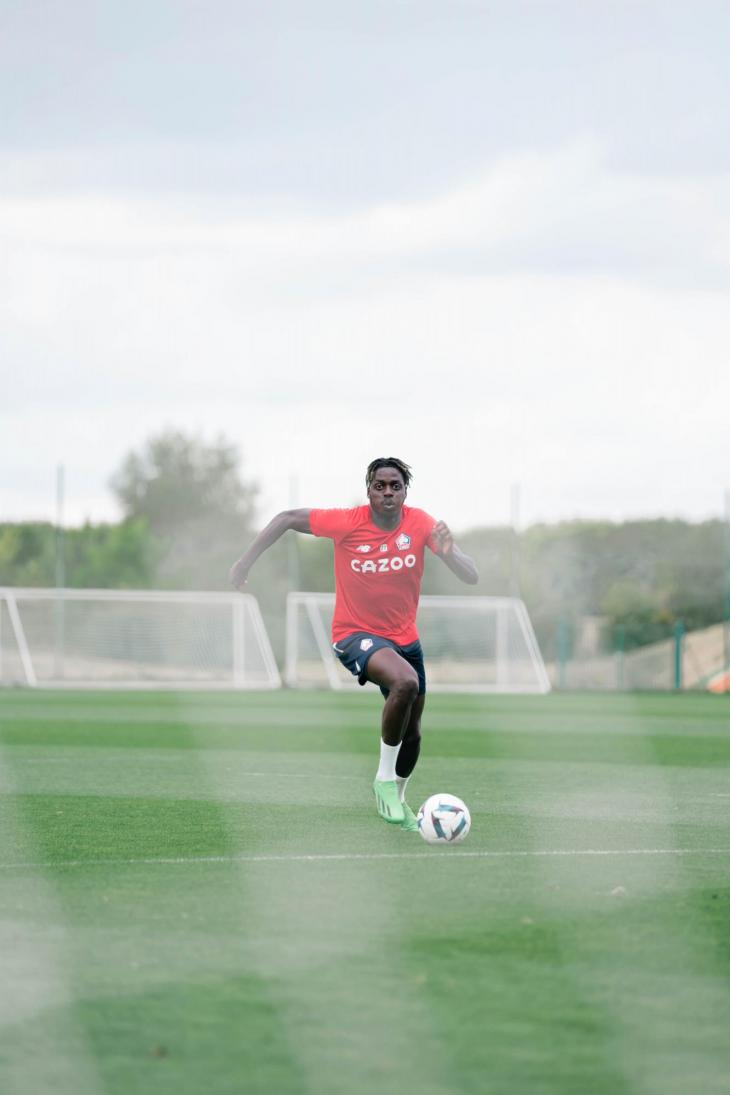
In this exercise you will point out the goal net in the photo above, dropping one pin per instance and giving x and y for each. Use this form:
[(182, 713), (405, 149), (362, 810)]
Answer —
[(100, 638), (471, 644)]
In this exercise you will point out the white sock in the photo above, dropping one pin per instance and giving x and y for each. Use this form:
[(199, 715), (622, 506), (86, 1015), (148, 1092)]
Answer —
[(388, 757), (401, 783)]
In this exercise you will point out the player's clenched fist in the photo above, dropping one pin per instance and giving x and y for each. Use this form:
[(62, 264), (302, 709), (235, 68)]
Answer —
[(238, 574), (443, 540)]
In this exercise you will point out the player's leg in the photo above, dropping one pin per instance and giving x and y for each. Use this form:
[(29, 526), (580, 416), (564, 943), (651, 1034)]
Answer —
[(399, 681), (411, 744), (407, 759)]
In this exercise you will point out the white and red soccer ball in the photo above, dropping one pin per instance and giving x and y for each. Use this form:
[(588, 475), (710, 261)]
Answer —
[(443, 819)]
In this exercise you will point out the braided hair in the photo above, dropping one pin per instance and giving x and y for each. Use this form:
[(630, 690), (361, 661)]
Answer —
[(388, 462)]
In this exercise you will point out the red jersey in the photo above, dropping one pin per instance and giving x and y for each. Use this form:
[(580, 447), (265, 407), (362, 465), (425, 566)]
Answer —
[(377, 571)]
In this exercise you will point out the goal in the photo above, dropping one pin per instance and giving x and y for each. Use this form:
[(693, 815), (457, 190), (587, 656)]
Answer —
[(103, 638), (471, 644)]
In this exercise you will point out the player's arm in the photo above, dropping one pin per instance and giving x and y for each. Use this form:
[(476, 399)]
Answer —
[(456, 560), (296, 519)]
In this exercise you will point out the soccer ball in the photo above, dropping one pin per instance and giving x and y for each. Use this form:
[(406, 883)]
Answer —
[(443, 819)]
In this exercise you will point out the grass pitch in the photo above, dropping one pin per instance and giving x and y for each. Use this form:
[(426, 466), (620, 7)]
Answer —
[(196, 896)]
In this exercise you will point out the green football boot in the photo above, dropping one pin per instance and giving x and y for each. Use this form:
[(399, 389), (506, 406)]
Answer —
[(410, 822), (389, 805)]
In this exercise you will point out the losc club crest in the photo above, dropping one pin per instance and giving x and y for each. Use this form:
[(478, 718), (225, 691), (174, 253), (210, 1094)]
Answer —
[(365, 644), (403, 542)]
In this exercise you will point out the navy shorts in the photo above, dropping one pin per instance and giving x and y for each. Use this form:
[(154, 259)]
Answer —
[(356, 650)]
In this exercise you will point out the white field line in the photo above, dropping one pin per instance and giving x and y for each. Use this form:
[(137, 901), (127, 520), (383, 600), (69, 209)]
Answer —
[(451, 853), (37, 761)]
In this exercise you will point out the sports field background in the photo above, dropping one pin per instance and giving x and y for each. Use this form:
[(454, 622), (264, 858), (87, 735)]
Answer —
[(197, 896)]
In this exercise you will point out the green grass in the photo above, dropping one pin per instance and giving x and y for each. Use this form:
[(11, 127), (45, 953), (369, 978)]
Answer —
[(196, 896)]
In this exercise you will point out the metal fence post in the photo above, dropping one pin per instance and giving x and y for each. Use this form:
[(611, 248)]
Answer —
[(678, 647), (618, 649), (562, 641)]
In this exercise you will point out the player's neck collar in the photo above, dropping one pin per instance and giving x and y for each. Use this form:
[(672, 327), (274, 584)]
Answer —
[(388, 528)]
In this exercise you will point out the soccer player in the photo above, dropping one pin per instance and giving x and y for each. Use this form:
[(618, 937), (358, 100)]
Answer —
[(379, 557)]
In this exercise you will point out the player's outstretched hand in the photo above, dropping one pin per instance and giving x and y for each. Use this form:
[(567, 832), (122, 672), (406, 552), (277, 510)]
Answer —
[(443, 540), (238, 574)]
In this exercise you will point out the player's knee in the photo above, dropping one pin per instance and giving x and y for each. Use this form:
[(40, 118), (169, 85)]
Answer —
[(406, 688)]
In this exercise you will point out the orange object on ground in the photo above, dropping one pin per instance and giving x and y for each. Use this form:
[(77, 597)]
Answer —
[(720, 682)]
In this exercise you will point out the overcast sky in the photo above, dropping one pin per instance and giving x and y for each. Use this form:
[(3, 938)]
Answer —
[(491, 238)]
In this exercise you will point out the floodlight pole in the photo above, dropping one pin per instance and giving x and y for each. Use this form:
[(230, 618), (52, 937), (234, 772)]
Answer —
[(515, 552), (60, 570)]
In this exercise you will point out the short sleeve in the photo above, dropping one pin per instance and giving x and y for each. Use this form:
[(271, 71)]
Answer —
[(333, 523)]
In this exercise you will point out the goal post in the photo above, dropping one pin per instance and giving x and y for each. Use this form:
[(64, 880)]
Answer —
[(135, 639), (471, 644)]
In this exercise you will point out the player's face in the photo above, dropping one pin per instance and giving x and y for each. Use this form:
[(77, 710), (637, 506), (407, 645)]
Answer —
[(387, 493)]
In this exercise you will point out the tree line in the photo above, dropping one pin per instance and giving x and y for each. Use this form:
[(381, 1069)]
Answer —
[(188, 513)]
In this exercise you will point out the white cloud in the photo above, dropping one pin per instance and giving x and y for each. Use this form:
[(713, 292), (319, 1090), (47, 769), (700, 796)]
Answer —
[(567, 207), (550, 321)]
